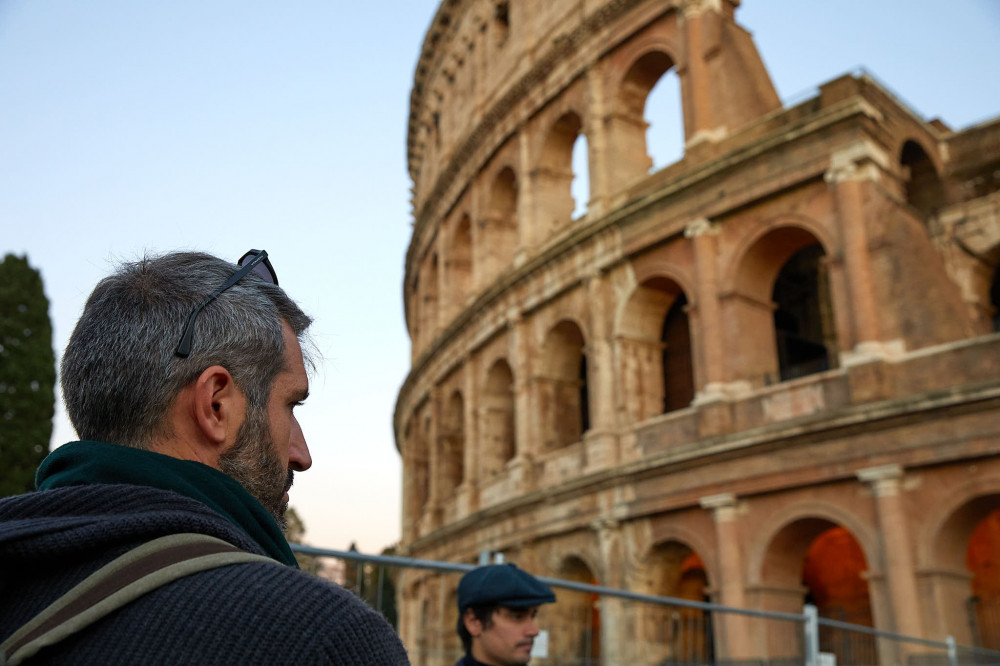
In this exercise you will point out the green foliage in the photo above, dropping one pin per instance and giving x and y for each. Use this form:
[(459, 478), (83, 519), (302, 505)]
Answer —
[(295, 531), (375, 584), (27, 375)]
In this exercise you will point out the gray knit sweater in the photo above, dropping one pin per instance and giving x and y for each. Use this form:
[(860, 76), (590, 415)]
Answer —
[(255, 613)]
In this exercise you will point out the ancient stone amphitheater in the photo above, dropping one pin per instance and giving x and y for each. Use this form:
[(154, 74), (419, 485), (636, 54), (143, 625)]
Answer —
[(764, 374)]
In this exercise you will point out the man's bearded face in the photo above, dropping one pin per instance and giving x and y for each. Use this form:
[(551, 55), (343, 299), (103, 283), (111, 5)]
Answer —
[(253, 461)]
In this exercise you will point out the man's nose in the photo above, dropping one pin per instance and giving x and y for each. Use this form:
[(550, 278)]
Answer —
[(298, 451), (532, 628)]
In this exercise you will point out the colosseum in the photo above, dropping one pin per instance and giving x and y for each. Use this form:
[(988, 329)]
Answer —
[(765, 374)]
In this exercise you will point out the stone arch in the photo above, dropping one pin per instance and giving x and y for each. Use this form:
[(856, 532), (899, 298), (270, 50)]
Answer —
[(627, 126), (501, 227), (923, 186), (576, 620), (562, 389), (814, 559), (961, 558), (655, 349), (781, 299), (451, 439), (672, 568), (499, 418), (820, 511), (553, 176), (458, 264)]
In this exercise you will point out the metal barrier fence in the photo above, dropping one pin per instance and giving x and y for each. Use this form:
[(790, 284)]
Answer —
[(654, 630)]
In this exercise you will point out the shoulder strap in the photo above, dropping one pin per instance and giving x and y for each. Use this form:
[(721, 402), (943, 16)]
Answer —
[(119, 582)]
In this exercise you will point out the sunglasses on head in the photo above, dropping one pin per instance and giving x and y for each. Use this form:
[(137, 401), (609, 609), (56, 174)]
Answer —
[(254, 261)]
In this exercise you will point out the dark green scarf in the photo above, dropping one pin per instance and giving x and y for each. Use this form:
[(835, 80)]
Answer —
[(82, 463)]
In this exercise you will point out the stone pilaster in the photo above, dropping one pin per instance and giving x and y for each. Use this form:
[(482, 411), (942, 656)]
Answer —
[(702, 233), (732, 590), (850, 169), (896, 547)]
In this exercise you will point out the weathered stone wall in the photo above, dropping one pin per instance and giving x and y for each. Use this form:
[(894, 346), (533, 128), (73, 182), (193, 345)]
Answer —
[(821, 279)]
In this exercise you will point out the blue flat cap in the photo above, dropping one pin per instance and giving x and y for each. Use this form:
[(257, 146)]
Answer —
[(502, 585)]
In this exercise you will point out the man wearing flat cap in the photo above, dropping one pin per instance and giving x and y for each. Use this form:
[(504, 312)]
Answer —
[(497, 605)]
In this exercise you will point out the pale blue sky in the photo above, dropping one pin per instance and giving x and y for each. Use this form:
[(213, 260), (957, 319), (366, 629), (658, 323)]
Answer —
[(130, 126)]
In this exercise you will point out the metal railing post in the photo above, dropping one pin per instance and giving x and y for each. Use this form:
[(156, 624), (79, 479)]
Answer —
[(952, 650), (811, 632)]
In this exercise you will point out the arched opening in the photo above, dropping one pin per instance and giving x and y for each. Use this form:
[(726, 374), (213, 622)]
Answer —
[(966, 572), (630, 156), (813, 560), (833, 572), (803, 317), (664, 115), (554, 177), (575, 637), (500, 236), (452, 445), (923, 184), (678, 371), (581, 176), (983, 561), (459, 266), (564, 395), (498, 419), (669, 634), (655, 350)]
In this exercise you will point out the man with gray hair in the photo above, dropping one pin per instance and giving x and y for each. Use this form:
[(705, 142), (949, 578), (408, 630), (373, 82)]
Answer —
[(157, 537)]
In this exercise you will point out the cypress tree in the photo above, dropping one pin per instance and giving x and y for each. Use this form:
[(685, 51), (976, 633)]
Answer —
[(27, 375)]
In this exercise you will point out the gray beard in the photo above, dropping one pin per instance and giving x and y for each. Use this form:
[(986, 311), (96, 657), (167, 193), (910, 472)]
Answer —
[(254, 463)]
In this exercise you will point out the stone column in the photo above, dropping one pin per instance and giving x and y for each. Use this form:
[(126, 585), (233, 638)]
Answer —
[(597, 143), (600, 441), (526, 431), (435, 492), (527, 222), (703, 121), (469, 490), (847, 193), (896, 547), (849, 170), (614, 620), (698, 83), (732, 591), (702, 233)]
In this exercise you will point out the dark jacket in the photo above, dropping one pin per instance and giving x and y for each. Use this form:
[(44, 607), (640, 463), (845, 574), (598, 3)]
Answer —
[(265, 612)]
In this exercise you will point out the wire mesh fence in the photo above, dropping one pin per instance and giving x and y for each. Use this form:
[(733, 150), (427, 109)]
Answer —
[(590, 625)]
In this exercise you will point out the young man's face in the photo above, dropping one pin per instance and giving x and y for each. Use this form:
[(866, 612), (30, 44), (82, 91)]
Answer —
[(508, 639)]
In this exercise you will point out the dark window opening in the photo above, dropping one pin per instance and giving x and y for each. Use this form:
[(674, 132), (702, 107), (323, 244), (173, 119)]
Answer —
[(584, 399), (678, 382), (501, 17), (923, 187), (803, 319)]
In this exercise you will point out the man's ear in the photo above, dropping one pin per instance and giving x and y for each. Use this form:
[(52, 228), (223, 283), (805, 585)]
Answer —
[(218, 405), (472, 623)]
